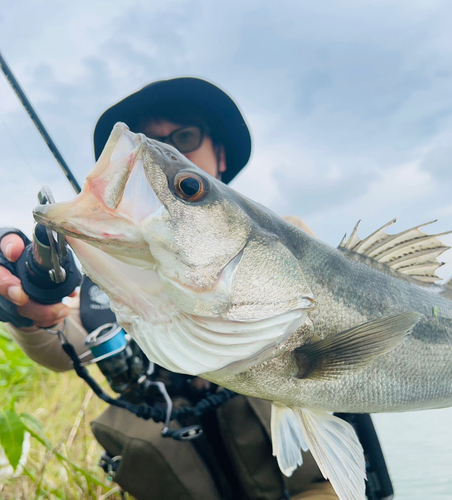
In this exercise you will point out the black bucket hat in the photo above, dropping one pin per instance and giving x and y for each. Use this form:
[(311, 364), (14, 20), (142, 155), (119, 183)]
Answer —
[(218, 110)]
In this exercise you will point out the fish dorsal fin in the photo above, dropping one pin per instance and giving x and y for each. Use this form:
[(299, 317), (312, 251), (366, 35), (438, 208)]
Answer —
[(411, 252)]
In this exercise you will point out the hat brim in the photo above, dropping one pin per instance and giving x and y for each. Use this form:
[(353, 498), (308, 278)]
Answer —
[(210, 102)]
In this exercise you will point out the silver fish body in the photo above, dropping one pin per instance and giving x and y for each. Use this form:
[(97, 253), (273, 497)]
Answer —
[(212, 284), (350, 290)]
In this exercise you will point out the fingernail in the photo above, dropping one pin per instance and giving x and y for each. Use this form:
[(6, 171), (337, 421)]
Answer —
[(64, 313), (15, 294), (8, 251)]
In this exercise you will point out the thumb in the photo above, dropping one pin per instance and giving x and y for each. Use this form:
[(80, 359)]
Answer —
[(12, 247)]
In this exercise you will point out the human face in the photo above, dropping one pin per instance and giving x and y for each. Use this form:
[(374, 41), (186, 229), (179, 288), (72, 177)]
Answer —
[(207, 157)]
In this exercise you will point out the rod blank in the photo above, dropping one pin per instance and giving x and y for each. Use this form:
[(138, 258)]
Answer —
[(38, 123)]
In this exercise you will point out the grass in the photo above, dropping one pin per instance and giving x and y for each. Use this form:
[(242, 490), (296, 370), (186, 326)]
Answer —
[(63, 457)]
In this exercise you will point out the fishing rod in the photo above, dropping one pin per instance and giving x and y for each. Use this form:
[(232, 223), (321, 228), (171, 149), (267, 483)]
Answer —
[(12, 80)]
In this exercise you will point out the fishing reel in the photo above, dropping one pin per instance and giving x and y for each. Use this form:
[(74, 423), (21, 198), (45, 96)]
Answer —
[(47, 268), (117, 356)]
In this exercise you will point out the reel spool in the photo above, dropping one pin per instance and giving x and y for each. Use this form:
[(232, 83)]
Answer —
[(111, 349)]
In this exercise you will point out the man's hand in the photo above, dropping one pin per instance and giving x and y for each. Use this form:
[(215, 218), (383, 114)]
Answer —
[(12, 247)]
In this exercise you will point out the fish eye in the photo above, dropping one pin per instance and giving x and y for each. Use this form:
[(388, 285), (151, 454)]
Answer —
[(191, 187)]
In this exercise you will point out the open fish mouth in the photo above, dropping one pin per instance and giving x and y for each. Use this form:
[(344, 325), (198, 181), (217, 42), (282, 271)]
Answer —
[(116, 198)]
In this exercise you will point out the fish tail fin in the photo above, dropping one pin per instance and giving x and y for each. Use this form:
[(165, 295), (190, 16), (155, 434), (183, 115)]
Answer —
[(333, 444)]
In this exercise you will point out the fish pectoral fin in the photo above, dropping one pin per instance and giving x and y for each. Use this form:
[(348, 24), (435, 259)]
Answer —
[(361, 344), (333, 444)]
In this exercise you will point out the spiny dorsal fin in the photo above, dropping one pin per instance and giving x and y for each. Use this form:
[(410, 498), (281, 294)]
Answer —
[(410, 252)]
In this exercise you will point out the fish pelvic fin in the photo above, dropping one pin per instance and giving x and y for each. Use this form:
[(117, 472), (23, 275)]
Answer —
[(332, 356), (411, 252), (287, 438), (332, 442)]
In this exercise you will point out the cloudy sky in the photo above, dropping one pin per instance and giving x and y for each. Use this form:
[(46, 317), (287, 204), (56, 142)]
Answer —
[(349, 101)]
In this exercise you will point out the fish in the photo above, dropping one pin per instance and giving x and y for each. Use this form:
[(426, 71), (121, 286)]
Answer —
[(212, 284)]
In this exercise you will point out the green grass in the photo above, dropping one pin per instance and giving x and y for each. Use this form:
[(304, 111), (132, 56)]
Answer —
[(56, 409)]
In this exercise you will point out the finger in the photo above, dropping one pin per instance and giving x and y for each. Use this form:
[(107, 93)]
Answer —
[(44, 315), (11, 288), (12, 247)]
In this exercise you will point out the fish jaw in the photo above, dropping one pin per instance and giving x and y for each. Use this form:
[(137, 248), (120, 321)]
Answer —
[(114, 201)]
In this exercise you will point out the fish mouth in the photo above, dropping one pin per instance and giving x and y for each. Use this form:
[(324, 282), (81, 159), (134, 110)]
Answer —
[(115, 200)]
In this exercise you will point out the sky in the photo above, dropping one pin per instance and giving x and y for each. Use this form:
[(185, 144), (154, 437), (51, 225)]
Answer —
[(349, 101)]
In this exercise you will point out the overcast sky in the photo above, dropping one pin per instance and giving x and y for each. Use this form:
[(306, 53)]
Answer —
[(349, 102)]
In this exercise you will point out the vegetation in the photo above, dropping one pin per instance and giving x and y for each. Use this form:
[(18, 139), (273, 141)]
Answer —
[(49, 413)]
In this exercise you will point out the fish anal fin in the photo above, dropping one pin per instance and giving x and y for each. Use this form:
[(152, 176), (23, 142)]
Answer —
[(333, 444), (332, 356), (412, 247), (337, 451)]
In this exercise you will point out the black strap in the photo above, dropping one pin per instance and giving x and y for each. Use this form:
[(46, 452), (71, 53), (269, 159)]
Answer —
[(157, 412), (8, 311)]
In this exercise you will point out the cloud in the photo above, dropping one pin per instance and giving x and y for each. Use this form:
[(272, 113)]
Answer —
[(340, 96)]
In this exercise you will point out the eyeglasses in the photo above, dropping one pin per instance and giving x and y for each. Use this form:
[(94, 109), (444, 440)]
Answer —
[(186, 139)]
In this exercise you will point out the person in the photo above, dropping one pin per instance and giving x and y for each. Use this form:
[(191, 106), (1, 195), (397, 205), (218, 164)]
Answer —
[(232, 459)]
